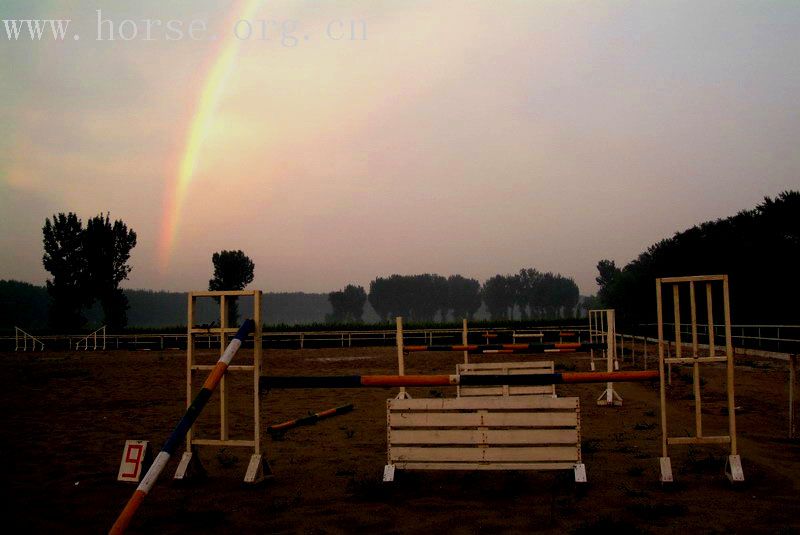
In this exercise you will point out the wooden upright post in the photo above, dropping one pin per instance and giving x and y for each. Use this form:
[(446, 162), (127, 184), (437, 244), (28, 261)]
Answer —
[(464, 337), (610, 397), (792, 380), (401, 365), (223, 391)]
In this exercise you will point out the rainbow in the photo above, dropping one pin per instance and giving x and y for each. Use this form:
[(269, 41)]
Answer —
[(199, 126)]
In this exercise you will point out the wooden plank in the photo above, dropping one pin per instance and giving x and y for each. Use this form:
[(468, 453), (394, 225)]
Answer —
[(231, 368), (512, 391), (488, 437), (690, 360), (692, 278), (476, 454), (443, 404), (209, 293), (492, 419), (217, 442), (473, 367), (214, 330), (483, 466), (699, 440)]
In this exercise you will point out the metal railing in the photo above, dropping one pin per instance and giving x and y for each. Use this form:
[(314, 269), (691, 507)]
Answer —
[(19, 333), (770, 338), (93, 336), (295, 339)]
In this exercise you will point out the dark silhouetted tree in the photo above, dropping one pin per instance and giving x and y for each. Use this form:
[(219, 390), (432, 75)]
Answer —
[(107, 247), (757, 248), (233, 270), (348, 304), (64, 258), (463, 297), (498, 297)]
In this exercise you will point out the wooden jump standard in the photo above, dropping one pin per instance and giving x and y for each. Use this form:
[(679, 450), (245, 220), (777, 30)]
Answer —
[(393, 381), (733, 464), (178, 434)]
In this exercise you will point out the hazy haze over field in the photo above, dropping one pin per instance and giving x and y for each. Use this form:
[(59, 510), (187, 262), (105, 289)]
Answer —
[(458, 137)]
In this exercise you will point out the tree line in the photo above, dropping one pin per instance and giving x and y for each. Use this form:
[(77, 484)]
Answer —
[(758, 250), (88, 263), (529, 294)]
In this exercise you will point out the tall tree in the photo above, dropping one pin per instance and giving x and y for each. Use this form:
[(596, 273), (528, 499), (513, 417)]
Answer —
[(233, 270), (107, 247), (64, 258), (348, 304), (498, 296), (463, 297)]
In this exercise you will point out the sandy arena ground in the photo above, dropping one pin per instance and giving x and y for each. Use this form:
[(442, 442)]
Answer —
[(67, 415)]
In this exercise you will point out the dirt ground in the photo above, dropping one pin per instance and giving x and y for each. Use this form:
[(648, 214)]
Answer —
[(67, 415)]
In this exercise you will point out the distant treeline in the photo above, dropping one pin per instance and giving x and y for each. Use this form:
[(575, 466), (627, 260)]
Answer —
[(429, 297), (26, 305), (757, 248)]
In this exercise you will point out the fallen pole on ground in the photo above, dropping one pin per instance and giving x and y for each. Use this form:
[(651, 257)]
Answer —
[(310, 419), (392, 381), (178, 434)]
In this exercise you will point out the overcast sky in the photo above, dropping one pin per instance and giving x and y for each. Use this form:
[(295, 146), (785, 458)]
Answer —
[(448, 137)]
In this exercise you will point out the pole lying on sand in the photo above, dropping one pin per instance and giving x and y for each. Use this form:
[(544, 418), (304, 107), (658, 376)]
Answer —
[(532, 347), (310, 419), (174, 440), (391, 381)]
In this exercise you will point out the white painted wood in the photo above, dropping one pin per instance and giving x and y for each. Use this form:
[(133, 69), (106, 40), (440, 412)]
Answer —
[(666, 469), (183, 466), (498, 433), (402, 465), (733, 469), (473, 419), (388, 473), (516, 454), (506, 404), (580, 473), (402, 437)]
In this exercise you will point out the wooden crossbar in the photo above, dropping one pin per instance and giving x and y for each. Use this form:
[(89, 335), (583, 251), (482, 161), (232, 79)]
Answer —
[(507, 368)]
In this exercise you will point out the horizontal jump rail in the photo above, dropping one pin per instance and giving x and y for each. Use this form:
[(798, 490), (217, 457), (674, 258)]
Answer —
[(390, 381), (540, 347)]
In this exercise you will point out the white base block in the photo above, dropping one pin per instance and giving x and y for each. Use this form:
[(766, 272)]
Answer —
[(388, 473), (610, 397), (183, 466), (591, 365), (733, 469), (257, 470), (580, 473), (666, 469)]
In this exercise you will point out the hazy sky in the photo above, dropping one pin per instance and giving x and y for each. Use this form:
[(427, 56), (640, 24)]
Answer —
[(450, 137)]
